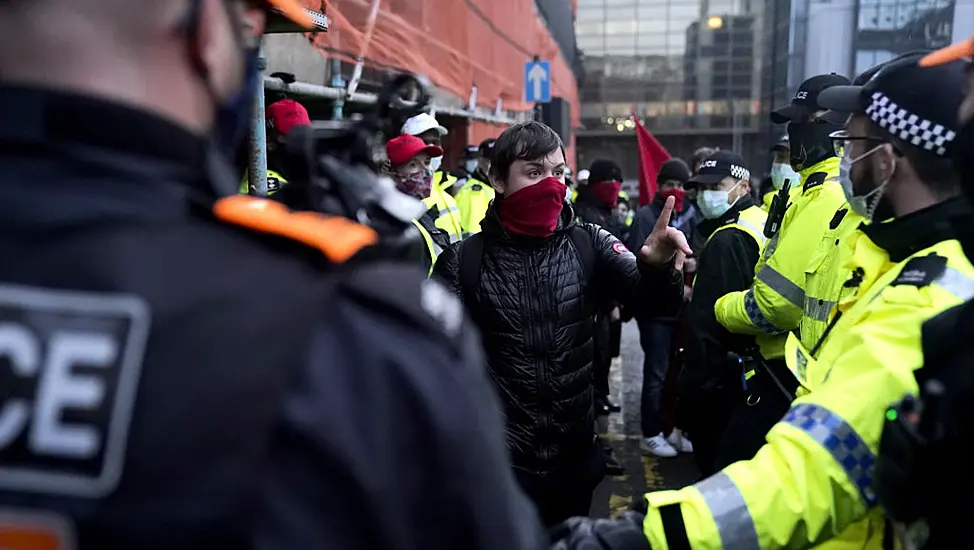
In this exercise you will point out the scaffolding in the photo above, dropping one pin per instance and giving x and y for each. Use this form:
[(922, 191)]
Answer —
[(257, 165)]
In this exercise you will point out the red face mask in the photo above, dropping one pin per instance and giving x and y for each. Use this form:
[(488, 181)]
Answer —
[(607, 192), (533, 210), (678, 196)]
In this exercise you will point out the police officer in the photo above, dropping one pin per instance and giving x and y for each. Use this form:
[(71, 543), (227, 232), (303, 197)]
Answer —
[(781, 172), (475, 195), (184, 367), (920, 472), (709, 387), (812, 481), (775, 302)]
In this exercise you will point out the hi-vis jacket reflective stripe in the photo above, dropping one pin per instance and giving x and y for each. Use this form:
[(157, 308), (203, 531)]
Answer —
[(445, 211), (824, 276), (812, 480), (776, 299), (274, 182), (473, 198), (431, 247)]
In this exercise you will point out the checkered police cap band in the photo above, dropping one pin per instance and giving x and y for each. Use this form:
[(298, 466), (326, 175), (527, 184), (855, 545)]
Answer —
[(909, 127), (739, 172)]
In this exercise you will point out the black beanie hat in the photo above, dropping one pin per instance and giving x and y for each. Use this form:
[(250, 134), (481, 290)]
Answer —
[(673, 169), (602, 170)]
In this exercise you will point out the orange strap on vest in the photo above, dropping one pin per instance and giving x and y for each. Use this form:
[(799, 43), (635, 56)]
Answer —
[(337, 238)]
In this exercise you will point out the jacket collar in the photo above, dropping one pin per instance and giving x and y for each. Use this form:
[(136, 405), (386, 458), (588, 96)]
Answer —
[(902, 237)]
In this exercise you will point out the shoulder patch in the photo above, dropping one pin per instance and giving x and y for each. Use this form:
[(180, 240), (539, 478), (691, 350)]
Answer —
[(921, 271), (838, 217), (337, 238), (619, 248), (814, 180)]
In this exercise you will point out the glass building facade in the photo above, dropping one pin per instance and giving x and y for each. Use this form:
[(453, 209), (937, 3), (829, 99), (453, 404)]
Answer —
[(683, 67)]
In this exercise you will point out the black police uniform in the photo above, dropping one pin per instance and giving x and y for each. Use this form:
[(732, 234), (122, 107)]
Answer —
[(709, 387), (169, 380)]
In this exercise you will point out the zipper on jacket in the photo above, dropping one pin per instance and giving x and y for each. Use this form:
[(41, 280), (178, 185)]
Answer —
[(536, 309)]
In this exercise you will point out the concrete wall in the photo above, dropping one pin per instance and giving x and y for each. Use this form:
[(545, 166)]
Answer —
[(292, 53)]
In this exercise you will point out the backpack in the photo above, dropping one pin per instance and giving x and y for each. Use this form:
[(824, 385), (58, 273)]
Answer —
[(471, 258)]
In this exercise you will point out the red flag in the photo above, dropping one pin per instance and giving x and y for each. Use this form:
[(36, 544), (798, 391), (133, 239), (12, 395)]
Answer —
[(651, 156)]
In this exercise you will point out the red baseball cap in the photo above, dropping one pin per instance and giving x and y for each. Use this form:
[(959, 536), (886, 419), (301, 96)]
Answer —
[(402, 149), (286, 114)]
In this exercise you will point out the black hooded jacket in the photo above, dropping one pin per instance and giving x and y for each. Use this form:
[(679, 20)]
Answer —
[(534, 305)]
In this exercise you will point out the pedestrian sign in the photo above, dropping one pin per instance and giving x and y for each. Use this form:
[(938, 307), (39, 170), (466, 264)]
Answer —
[(537, 82)]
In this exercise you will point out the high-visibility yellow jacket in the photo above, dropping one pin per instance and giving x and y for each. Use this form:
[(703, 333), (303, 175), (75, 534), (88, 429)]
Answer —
[(432, 249), (274, 182), (751, 221), (794, 192), (811, 481), (825, 280), (473, 198), (774, 303), (445, 212)]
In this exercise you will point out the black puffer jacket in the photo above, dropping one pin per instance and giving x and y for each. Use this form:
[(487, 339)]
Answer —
[(534, 308)]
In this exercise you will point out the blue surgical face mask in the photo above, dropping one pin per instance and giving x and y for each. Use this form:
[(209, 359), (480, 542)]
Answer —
[(470, 166), (435, 163), (780, 172), (713, 203)]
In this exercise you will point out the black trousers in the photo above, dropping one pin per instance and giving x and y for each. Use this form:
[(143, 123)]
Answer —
[(566, 492), (706, 416), (602, 356), (753, 417)]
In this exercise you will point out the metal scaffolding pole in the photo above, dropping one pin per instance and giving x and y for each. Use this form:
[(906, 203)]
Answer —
[(257, 169), (257, 161)]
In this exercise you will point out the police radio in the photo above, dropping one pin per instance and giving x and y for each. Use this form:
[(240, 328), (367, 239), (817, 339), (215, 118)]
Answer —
[(920, 476), (777, 211), (336, 167)]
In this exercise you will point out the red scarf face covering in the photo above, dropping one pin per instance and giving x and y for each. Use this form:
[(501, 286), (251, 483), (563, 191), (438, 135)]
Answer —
[(678, 196), (607, 192), (533, 210)]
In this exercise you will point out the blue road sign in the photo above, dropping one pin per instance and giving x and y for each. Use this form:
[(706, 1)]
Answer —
[(537, 82)]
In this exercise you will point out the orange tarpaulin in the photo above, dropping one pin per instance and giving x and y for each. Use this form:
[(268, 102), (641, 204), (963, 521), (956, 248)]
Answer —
[(456, 43)]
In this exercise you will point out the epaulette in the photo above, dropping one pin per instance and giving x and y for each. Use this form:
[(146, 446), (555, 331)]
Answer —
[(814, 180), (337, 238), (921, 271)]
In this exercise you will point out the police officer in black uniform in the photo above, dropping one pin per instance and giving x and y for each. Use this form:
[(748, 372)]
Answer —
[(181, 368)]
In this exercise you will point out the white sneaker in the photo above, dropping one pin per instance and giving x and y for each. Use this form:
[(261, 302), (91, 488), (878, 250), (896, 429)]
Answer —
[(657, 445), (680, 441)]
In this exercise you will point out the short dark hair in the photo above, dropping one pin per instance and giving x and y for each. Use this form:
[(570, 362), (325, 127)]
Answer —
[(526, 141), (936, 172)]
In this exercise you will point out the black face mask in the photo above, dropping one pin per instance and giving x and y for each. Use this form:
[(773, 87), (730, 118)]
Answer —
[(810, 143)]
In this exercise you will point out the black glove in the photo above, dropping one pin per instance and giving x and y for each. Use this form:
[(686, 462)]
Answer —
[(625, 533)]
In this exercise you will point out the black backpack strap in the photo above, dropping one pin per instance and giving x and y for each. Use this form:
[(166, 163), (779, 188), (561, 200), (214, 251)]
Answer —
[(582, 240), (471, 258)]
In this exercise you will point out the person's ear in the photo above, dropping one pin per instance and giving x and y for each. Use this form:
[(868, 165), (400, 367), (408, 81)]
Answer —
[(498, 184)]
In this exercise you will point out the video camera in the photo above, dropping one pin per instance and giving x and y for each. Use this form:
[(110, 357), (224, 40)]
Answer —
[(337, 167)]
